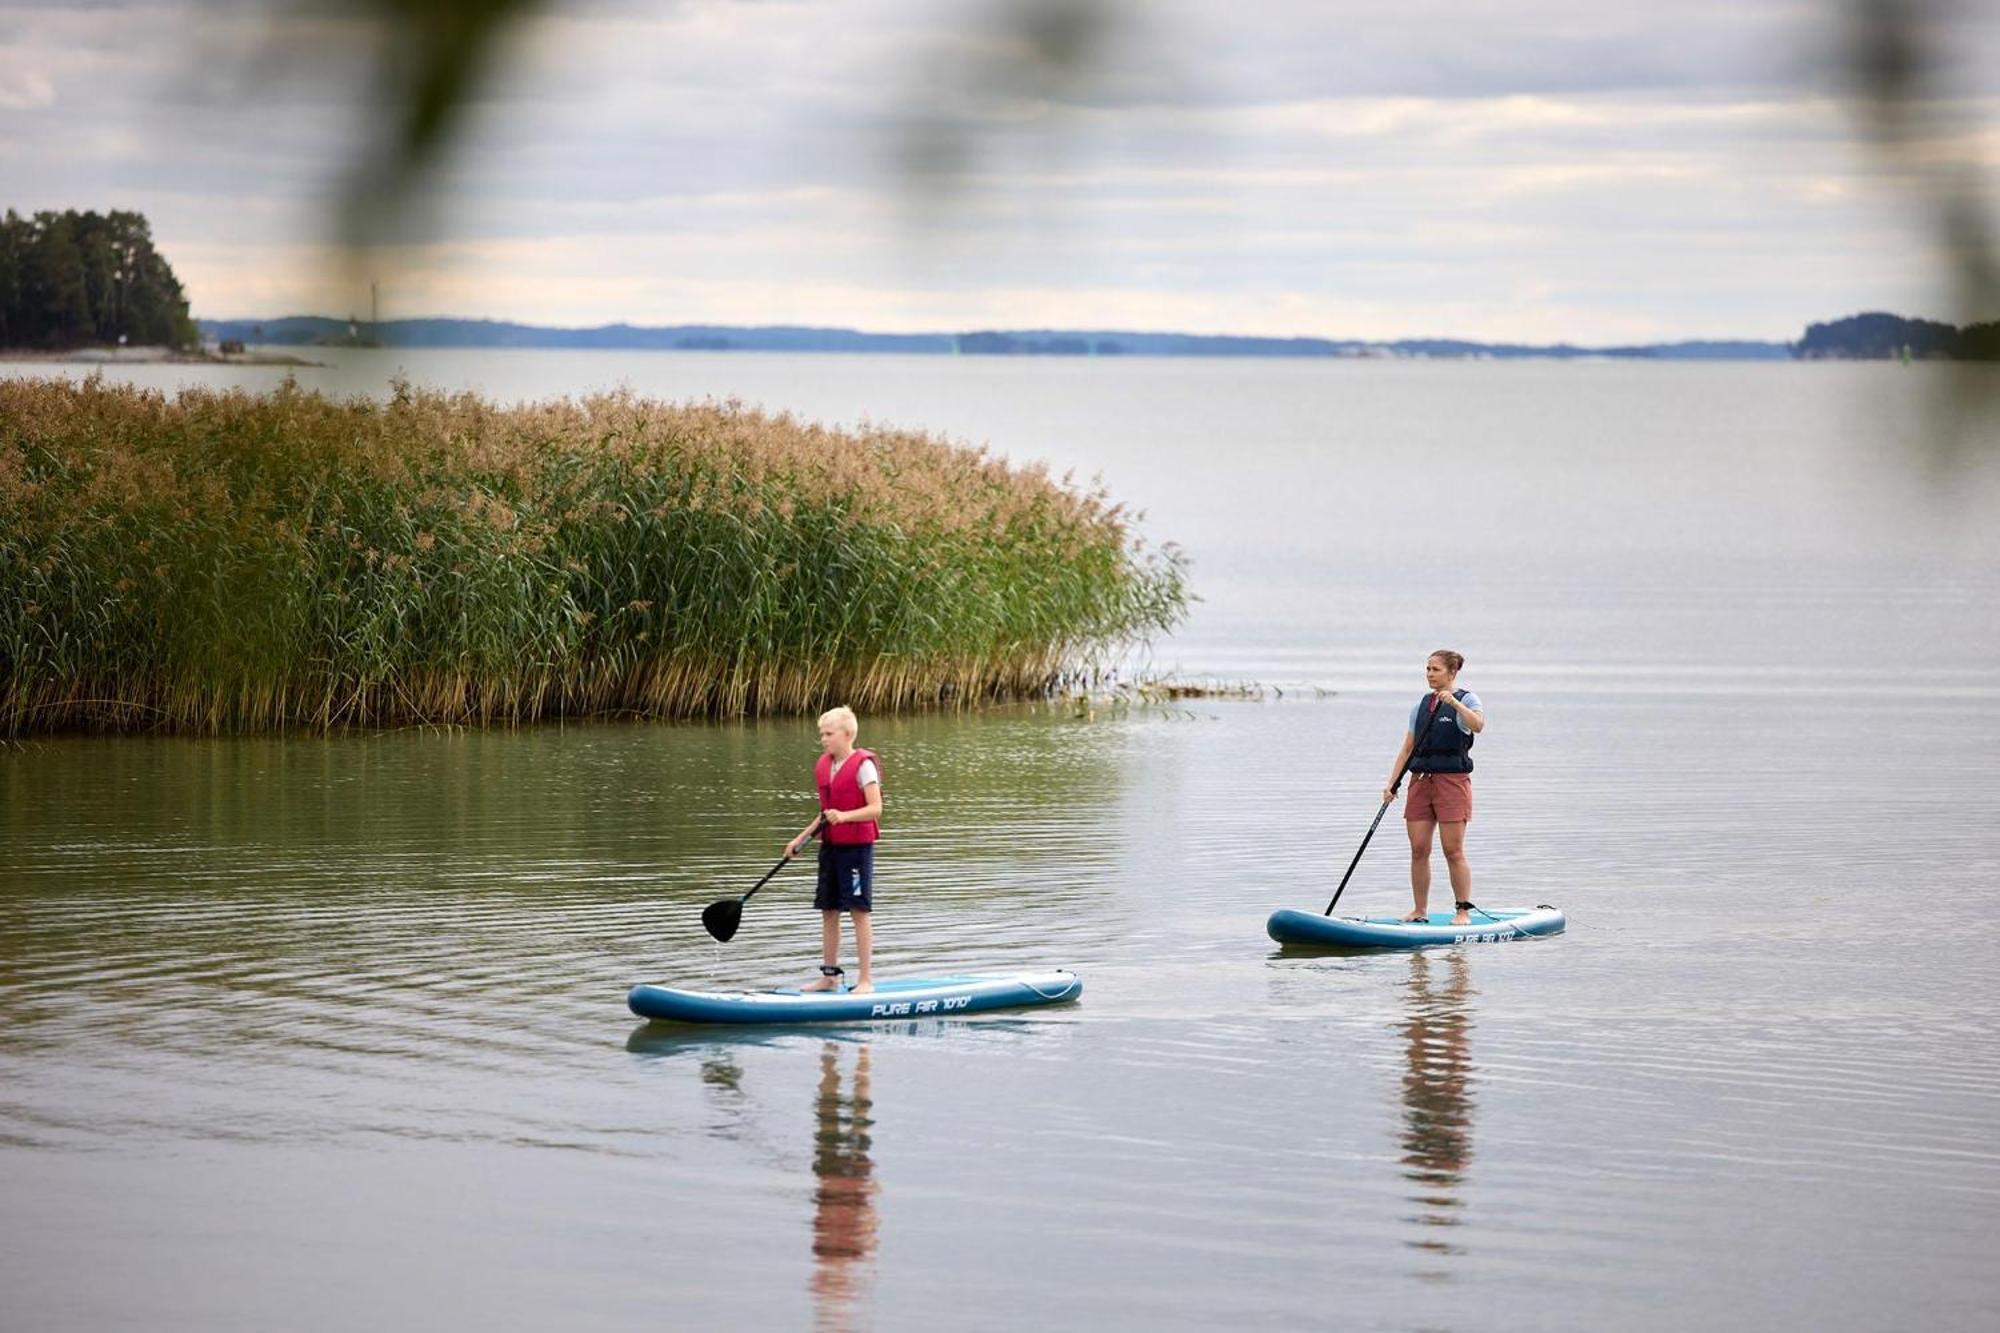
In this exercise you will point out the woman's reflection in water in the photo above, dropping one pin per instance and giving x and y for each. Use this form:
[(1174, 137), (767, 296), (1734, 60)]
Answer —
[(1437, 1095), (844, 1196)]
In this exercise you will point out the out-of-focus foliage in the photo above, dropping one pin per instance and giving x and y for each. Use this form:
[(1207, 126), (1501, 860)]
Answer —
[(1042, 53), (434, 56), (1897, 67)]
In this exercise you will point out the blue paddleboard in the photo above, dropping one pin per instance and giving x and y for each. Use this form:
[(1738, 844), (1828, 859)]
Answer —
[(1289, 926), (910, 997)]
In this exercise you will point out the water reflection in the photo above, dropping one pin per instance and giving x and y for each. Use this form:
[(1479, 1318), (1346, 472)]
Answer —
[(843, 1227), (358, 871), (720, 1071), (1437, 1098)]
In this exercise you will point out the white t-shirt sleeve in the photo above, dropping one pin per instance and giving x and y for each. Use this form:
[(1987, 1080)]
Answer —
[(868, 775), (1470, 700)]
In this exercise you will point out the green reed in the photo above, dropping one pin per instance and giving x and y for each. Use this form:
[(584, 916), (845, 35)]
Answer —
[(228, 561)]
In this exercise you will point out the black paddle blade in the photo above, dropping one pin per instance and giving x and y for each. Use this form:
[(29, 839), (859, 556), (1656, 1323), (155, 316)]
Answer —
[(722, 918)]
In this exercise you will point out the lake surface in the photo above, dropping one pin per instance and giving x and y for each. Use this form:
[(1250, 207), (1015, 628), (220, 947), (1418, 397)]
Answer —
[(329, 1034)]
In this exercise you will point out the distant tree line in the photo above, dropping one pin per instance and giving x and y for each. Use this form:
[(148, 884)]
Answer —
[(1002, 344), (1878, 337), (77, 279)]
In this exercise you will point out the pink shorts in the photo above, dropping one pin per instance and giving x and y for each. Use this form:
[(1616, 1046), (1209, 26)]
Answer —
[(1444, 797)]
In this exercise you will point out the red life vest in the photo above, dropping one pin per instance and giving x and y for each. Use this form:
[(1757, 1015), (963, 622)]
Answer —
[(842, 791)]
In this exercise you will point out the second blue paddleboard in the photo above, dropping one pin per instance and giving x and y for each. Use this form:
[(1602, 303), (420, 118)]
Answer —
[(1290, 926)]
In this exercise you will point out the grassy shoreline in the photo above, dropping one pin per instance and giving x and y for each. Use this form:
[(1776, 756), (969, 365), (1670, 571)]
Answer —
[(227, 562), (104, 355)]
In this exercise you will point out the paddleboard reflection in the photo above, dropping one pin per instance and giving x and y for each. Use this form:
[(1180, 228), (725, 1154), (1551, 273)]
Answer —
[(1437, 1098)]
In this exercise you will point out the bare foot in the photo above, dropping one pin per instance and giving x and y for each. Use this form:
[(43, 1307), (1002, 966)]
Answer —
[(1415, 918), (863, 988), (1461, 920), (824, 983)]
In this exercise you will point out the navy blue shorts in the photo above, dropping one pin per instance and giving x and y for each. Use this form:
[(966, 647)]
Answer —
[(846, 877)]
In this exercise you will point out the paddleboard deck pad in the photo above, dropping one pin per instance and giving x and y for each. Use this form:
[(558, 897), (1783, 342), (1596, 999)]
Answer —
[(1290, 926), (908, 997)]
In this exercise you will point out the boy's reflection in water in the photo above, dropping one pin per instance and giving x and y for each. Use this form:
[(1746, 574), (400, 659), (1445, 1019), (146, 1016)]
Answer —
[(1437, 1096), (844, 1197)]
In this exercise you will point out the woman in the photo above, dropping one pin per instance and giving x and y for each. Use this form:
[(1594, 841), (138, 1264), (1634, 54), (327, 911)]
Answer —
[(1438, 750)]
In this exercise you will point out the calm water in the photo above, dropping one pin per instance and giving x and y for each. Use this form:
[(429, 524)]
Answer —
[(331, 1034)]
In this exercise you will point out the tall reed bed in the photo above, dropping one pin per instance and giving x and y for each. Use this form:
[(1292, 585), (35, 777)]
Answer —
[(227, 561)]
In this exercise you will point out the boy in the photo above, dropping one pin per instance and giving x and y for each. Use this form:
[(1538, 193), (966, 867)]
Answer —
[(850, 803)]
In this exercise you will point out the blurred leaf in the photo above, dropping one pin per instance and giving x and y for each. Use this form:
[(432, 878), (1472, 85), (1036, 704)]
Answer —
[(1899, 74), (435, 54)]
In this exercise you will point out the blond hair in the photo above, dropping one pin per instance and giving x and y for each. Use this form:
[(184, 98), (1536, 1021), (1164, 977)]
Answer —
[(844, 716)]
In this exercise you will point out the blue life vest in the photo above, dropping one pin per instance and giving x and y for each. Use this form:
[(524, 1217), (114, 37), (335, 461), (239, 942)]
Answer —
[(1441, 747)]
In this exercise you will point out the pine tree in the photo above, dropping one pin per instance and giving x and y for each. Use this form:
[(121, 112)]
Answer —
[(56, 289), (71, 279), (13, 246)]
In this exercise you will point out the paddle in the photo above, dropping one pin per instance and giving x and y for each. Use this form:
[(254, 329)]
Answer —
[(721, 918)]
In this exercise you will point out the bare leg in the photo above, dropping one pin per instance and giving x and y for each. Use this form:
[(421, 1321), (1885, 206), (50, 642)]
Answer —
[(829, 949), (1420, 867), (864, 945), (1453, 836)]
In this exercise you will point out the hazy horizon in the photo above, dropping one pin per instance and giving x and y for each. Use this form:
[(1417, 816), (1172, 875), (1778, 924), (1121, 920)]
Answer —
[(943, 332)]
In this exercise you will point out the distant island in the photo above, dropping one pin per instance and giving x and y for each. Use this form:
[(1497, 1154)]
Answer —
[(1859, 337), (70, 280), (91, 287), (1880, 337), (319, 331)]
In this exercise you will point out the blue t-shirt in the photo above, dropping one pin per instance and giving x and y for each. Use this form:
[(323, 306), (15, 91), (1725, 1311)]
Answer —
[(1423, 706)]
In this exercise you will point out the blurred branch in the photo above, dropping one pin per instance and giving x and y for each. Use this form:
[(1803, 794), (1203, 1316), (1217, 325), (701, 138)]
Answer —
[(435, 53), (1026, 57), (1894, 62)]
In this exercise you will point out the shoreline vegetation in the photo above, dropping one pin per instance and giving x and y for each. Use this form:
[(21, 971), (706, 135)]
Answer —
[(141, 356), (220, 562)]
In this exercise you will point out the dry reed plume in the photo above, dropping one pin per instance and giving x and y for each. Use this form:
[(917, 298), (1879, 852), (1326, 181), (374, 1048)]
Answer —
[(223, 562)]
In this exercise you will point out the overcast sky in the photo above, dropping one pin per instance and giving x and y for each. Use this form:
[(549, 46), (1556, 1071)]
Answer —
[(1593, 170)]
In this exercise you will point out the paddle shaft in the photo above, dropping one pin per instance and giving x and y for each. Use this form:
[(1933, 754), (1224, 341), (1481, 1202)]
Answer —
[(818, 824)]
